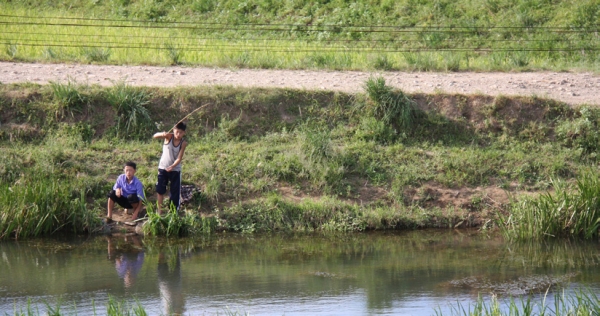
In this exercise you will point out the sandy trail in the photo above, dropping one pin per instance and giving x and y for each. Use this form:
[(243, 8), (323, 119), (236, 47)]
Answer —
[(572, 88)]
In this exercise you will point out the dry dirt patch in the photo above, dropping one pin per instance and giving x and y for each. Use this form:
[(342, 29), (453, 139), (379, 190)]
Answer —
[(571, 88)]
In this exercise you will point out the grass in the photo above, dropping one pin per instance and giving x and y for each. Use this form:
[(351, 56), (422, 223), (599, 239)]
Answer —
[(581, 302), (129, 103), (570, 210), (402, 35), (281, 159), (41, 206)]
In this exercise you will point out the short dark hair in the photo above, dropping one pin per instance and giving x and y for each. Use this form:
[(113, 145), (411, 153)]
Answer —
[(131, 164), (181, 126)]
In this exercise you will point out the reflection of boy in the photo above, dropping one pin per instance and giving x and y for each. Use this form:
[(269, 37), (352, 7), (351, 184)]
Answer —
[(128, 266), (127, 192), (169, 285), (169, 167)]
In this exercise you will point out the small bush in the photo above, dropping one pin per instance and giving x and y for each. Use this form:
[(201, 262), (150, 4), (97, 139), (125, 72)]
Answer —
[(11, 50), (316, 144)]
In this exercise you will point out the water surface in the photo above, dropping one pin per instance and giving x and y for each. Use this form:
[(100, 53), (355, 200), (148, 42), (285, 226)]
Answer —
[(411, 273)]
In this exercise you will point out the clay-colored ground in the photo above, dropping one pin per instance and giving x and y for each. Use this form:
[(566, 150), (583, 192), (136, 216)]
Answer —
[(572, 88)]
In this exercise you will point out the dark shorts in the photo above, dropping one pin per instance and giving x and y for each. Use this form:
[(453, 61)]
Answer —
[(174, 179), (125, 202)]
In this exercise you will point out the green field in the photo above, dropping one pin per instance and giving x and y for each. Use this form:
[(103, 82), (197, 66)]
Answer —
[(440, 35)]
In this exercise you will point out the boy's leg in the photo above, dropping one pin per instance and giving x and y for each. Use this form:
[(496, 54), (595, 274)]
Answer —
[(112, 198), (136, 205), (109, 208), (161, 188), (175, 189)]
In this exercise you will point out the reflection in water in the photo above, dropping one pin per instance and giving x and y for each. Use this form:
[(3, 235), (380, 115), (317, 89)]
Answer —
[(169, 282), (349, 274), (127, 263)]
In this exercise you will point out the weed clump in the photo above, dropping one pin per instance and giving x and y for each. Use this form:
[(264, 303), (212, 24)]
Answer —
[(133, 118), (392, 107)]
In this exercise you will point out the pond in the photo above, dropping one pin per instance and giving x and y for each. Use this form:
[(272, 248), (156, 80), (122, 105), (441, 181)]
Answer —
[(401, 273)]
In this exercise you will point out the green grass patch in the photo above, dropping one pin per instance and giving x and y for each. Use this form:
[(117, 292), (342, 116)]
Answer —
[(394, 35), (265, 158)]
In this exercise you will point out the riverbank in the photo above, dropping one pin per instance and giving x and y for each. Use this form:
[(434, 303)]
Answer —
[(285, 159)]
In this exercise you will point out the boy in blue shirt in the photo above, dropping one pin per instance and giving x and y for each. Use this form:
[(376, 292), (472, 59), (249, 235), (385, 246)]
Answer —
[(128, 192)]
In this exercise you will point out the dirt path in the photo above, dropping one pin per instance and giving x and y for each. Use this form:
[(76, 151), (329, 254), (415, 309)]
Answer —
[(572, 88)]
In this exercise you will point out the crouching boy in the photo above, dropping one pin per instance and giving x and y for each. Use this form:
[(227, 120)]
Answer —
[(128, 192)]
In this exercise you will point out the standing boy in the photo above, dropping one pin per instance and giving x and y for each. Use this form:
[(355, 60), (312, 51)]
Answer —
[(169, 167), (128, 192)]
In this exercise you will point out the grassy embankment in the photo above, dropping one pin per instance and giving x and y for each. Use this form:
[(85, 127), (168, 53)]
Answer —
[(284, 159), (386, 35)]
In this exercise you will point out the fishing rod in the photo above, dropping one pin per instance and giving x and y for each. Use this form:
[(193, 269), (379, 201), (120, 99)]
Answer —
[(202, 106)]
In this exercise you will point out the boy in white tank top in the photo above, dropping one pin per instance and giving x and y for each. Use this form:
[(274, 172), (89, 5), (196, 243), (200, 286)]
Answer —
[(169, 167)]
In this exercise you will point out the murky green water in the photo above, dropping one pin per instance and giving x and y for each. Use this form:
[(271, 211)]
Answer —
[(409, 273)]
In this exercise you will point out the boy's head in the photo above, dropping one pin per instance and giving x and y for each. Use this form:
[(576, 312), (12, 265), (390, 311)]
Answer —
[(179, 130), (181, 126), (129, 169)]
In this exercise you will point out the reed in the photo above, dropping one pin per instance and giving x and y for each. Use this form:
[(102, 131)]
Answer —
[(580, 302), (41, 206), (570, 210), (133, 118)]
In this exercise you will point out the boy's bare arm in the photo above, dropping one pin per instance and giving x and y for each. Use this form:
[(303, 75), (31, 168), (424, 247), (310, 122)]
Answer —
[(162, 135)]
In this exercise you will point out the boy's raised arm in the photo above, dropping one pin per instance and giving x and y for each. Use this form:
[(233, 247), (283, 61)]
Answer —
[(160, 135)]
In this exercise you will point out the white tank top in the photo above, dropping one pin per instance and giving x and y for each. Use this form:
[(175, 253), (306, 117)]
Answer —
[(169, 155)]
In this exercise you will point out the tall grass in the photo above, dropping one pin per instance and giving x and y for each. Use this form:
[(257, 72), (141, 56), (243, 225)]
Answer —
[(582, 302), (173, 224), (570, 210), (133, 118), (41, 206), (69, 98), (389, 105)]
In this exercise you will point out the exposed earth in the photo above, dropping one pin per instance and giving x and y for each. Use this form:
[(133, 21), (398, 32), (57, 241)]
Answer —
[(571, 88)]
